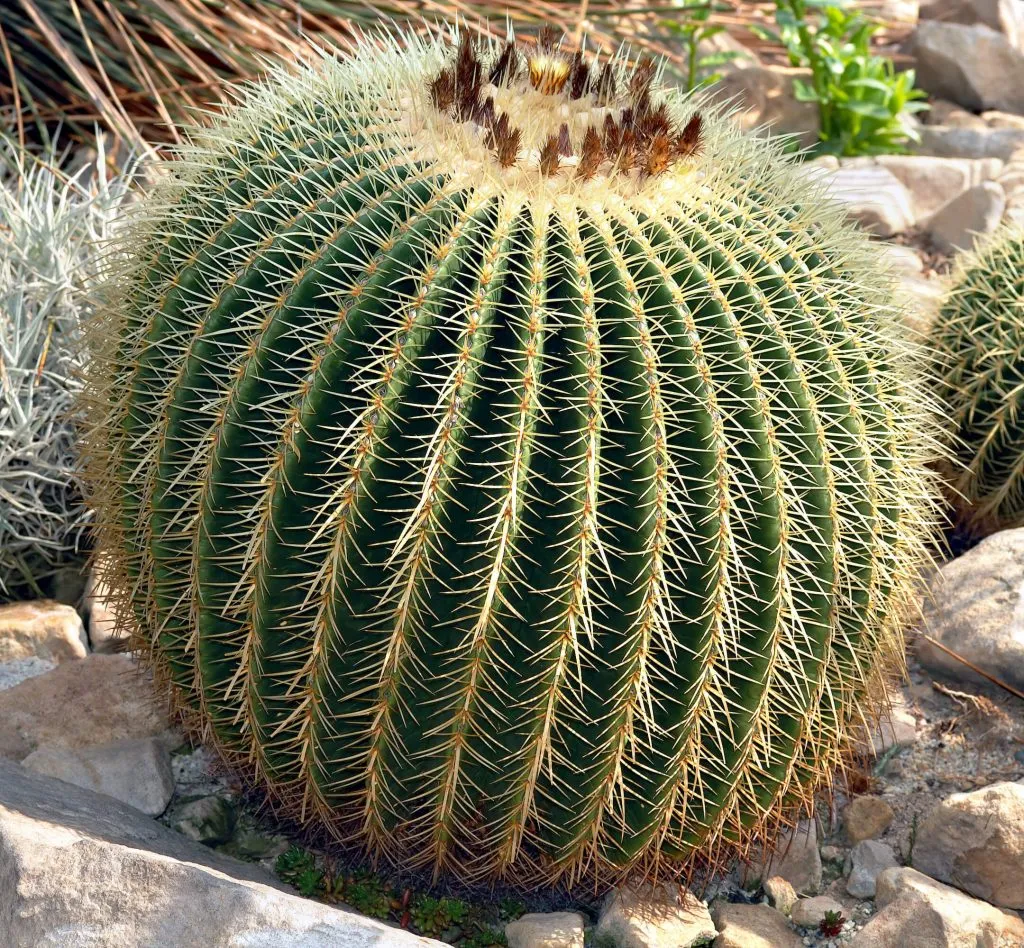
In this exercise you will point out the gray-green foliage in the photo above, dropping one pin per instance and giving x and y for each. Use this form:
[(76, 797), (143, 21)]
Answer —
[(51, 226)]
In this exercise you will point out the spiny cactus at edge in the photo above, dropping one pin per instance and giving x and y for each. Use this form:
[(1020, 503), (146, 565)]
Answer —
[(979, 337), (506, 463)]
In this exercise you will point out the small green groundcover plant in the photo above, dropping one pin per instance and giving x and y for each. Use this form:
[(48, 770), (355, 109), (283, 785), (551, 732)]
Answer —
[(979, 338), (516, 470), (865, 105), (454, 920)]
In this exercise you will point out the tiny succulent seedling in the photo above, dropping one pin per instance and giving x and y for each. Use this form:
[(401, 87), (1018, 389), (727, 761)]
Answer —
[(509, 465), (831, 924)]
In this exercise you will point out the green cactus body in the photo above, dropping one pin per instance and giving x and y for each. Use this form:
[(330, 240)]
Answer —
[(510, 467), (979, 337)]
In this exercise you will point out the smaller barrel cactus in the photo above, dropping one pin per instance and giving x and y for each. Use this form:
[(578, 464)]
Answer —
[(979, 336)]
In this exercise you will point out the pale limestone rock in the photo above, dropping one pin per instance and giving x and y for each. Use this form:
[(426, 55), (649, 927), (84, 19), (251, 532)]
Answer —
[(80, 870), (951, 142), (808, 913), (780, 894), (974, 607), (105, 634), (136, 772), (975, 841), (546, 930), (897, 728), (873, 196), (868, 859), (752, 926), (972, 65), (918, 912), (1003, 120), (97, 700), (41, 629), (866, 817), (654, 917), (933, 182), (974, 213)]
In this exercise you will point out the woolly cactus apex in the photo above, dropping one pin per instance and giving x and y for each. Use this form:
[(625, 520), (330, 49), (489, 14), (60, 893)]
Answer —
[(979, 335), (507, 463)]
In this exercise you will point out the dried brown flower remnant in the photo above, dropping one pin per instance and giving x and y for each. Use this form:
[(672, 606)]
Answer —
[(605, 91), (564, 142), (504, 139), (638, 132), (579, 76), (690, 139), (549, 156), (468, 79), (506, 67), (659, 155), (442, 91), (612, 136), (591, 154)]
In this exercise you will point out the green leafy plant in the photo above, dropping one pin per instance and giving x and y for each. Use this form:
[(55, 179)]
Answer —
[(510, 908), (369, 895), (485, 937), (53, 228), (693, 27), (293, 863), (492, 480), (309, 882), (433, 917), (863, 102), (978, 336)]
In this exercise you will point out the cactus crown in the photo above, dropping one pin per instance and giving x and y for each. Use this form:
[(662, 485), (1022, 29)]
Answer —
[(510, 470), (979, 337)]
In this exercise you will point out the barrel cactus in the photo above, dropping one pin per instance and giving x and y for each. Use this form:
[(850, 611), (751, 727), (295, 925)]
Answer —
[(979, 336), (507, 464)]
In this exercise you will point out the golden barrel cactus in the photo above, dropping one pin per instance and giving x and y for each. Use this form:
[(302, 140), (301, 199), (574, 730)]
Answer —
[(505, 462)]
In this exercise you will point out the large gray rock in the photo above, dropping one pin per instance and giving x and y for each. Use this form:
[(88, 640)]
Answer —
[(920, 912), (647, 916), (79, 870), (752, 926), (868, 859), (97, 700), (972, 65), (948, 141), (975, 841), (41, 629), (873, 196), (974, 213), (933, 182), (135, 772), (975, 608), (1003, 16)]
